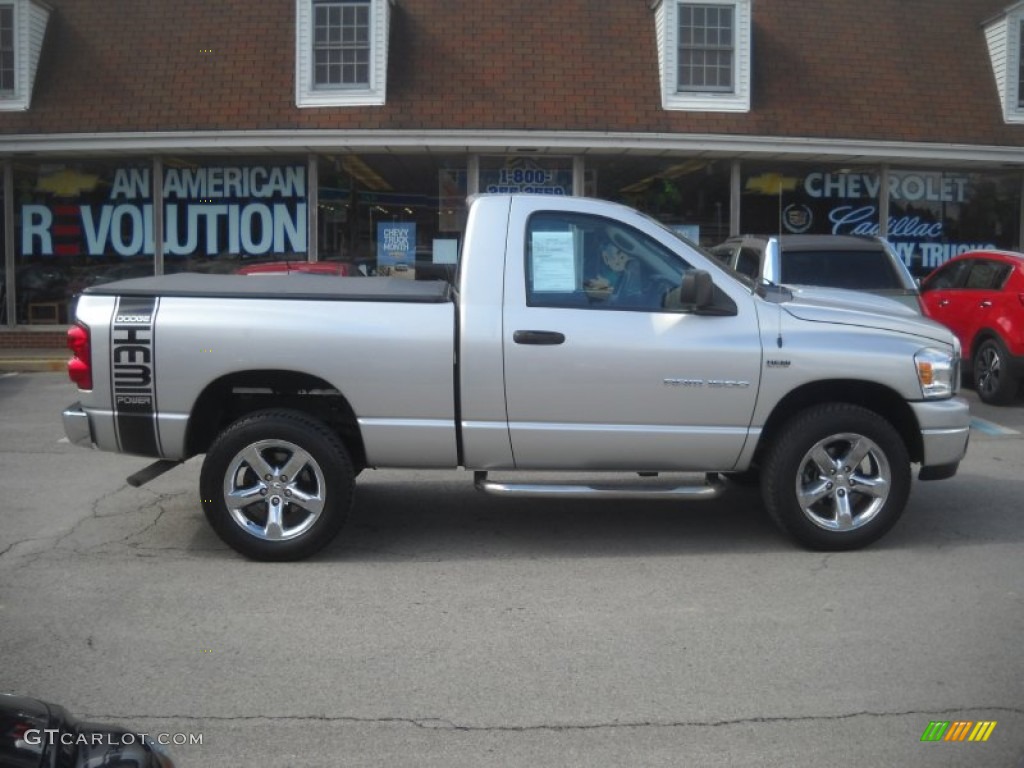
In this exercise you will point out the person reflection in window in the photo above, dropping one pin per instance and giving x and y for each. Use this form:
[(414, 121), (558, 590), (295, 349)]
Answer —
[(611, 270)]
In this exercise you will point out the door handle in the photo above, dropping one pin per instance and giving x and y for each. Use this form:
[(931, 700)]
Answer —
[(944, 302), (538, 337), (985, 304)]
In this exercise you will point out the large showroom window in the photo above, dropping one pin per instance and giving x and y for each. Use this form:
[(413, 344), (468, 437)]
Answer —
[(391, 214), (689, 194), (223, 215), (77, 223), (932, 214)]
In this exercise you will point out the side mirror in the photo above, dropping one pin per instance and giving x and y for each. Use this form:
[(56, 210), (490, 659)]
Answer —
[(697, 294), (696, 289)]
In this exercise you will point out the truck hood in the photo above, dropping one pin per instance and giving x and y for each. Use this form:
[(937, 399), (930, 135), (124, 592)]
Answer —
[(835, 305)]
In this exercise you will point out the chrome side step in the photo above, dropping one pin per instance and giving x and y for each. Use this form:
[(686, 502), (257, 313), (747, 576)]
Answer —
[(711, 488)]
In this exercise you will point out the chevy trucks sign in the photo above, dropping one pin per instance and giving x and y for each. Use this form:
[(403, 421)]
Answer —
[(253, 210)]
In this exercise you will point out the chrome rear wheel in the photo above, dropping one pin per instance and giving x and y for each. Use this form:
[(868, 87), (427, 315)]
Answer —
[(277, 485)]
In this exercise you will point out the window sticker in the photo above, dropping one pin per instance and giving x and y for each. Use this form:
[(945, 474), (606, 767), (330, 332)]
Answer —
[(552, 262)]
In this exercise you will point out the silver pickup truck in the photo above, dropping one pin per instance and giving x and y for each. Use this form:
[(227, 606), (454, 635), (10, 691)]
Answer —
[(582, 337)]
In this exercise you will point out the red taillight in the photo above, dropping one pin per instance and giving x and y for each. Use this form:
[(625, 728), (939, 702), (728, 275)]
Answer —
[(80, 366)]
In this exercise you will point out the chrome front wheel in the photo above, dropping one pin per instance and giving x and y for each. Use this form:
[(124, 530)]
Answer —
[(836, 476), (843, 482)]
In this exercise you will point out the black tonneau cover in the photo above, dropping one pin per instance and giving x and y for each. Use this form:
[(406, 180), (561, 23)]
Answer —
[(294, 286)]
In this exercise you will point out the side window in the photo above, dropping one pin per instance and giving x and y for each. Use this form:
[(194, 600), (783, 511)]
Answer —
[(986, 275), (723, 253), (950, 276), (575, 260), (749, 263)]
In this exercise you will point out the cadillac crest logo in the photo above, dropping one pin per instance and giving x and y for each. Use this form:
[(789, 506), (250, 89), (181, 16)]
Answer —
[(797, 218)]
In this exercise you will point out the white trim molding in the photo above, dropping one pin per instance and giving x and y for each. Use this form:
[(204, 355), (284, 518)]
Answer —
[(29, 20), (673, 97), (1003, 35), (856, 151), (308, 94)]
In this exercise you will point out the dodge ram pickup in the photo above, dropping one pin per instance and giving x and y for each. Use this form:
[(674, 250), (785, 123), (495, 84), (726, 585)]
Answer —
[(579, 336)]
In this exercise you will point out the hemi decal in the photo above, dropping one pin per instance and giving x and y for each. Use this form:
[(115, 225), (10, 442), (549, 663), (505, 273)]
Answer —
[(132, 374)]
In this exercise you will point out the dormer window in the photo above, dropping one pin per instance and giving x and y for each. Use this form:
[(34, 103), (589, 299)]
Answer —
[(341, 52), (1020, 65), (22, 29), (341, 44), (1005, 37), (707, 50), (6, 49), (704, 54)]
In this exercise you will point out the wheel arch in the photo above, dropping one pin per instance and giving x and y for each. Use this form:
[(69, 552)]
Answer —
[(873, 396), (983, 334), (234, 395)]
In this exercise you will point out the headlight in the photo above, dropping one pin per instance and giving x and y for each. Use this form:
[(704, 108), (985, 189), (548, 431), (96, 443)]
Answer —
[(938, 372)]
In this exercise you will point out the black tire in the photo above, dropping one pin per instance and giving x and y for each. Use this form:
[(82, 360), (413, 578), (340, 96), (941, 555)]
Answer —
[(833, 509), (748, 478), (298, 500), (990, 369)]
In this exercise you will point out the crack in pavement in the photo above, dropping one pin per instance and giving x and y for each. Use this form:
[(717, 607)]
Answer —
[(59, 537), (442, 724), (95, 513)]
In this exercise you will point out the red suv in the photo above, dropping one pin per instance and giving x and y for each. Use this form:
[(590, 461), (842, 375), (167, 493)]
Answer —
[(979, 295)]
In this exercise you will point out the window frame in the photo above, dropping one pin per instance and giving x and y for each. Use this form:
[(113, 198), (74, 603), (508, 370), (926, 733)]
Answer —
[(11, 90), (677, 96), (710, 53), (309, 92), (1004, 36), (29, 20), (1020, 64), (342, 45)]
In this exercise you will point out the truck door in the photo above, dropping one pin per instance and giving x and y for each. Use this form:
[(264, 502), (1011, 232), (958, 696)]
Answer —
[(598, 373)]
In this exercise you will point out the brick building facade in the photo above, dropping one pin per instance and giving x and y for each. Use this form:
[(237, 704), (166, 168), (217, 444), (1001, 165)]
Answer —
[(165, 136)]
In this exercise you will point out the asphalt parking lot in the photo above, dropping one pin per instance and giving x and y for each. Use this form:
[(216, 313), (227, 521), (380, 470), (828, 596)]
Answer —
[(446, 628)]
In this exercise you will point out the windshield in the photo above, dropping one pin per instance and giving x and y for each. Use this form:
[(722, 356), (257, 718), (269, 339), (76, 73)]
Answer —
[(739, 277), (869, 269)]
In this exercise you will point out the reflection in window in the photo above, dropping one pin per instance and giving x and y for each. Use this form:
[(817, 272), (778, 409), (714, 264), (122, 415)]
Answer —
[(987, 275), (76, 225), (949, 276)]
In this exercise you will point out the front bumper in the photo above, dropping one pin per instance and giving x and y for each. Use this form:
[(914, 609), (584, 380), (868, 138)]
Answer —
[(945, 430), (77, 426)]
